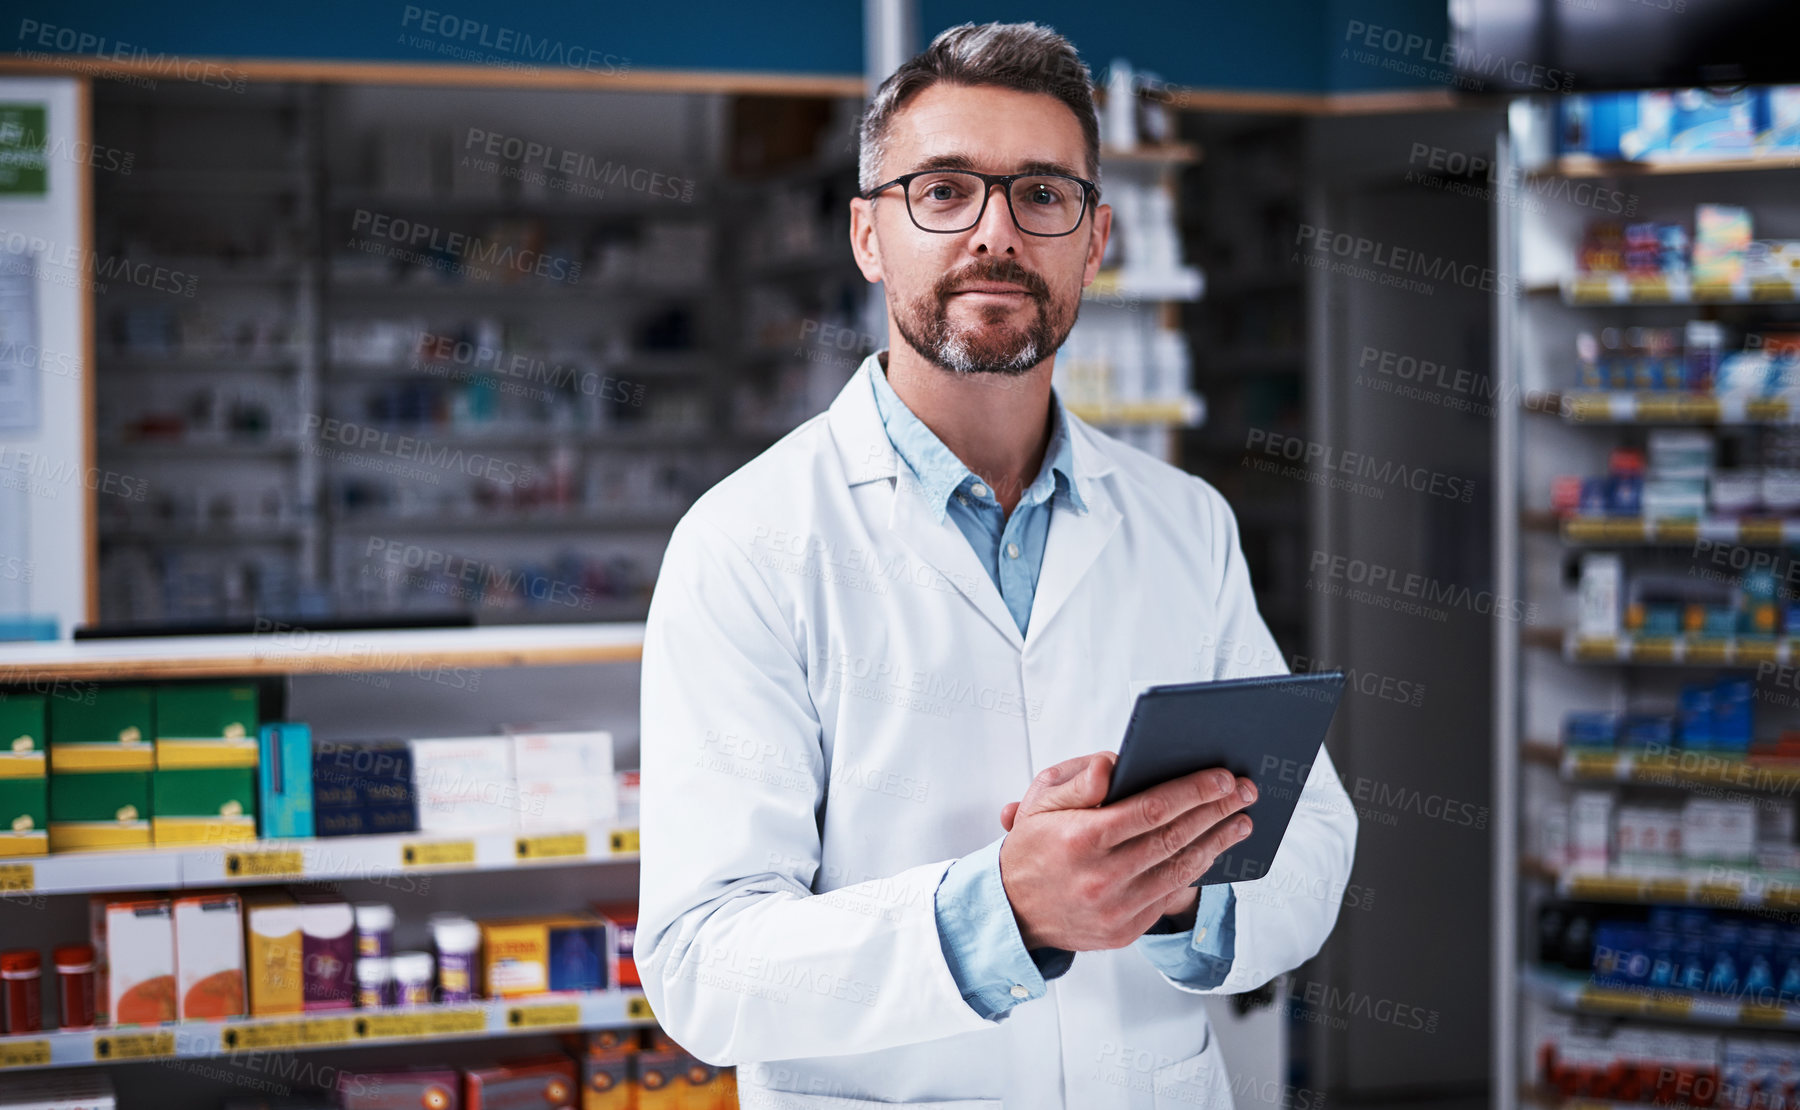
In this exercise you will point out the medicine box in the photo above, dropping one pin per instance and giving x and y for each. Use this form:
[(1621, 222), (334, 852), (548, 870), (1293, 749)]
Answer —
[(548, 1083), (565, 779), (1590, 830), (273, 953), (327, 950), (206, 711), (24, 816), (112, 731), (140, 961), (404, 1089), (99, 811), (203, 805), (531, 955), (22, 723), (209, 956), (362, 789), (609, 1083), (622, 919), (1716, 831), (464, 784), (284, 780)]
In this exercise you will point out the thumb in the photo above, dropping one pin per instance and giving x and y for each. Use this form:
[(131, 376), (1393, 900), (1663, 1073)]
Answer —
[(1007, 812), (1077, 783)]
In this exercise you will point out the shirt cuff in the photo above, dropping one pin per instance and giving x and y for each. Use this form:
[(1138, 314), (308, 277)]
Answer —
[(981, 940), (1200, 957)]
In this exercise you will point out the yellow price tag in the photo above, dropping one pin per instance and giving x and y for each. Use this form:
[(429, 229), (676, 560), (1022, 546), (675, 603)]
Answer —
[(326, 1031), (438, 853), (17, 877), (1766, 410), (637, 1008), (1653, 649), (1772, 291), (1650, 289), (540, 1017), (24, 1054), (1754, 1014), (429, 1023), (133, 1046), (261, 1035), (624, 842), (553, 846), (1713, 290), (273, 863)]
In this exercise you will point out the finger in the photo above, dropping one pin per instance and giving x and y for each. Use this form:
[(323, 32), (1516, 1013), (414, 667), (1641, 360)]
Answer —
[(1161, 804), (1006, 815), (1078, 783), (1144, 852), (1190, 863)]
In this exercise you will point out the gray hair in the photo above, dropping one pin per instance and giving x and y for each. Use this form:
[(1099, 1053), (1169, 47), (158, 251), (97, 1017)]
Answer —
[(1022, 56)]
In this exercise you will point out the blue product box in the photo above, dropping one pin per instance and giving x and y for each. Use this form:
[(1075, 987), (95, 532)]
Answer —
[(1621, 953), (1696, 717), (1649, 730), (284, 780), (1593, 496), (1778, 118), (1731, 715), (362, 789), (1725, 976), (1591, 730), (1712, 123), (1719, 620), (1625, 494), (578, 958), (1661, 619)]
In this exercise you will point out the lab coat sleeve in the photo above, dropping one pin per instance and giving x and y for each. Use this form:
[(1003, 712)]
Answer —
[(740, 960), (1283, 918)]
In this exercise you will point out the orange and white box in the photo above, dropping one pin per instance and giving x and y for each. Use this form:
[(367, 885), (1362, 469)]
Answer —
[(209, 956), (140, 961)]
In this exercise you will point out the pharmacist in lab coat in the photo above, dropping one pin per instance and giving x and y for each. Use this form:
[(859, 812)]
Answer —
[(888, 663)]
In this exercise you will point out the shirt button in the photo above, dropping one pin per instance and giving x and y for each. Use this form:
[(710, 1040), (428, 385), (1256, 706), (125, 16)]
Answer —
[(1019, 991), (979, 490), (961, 500), (1201, 935), (1012, 550)]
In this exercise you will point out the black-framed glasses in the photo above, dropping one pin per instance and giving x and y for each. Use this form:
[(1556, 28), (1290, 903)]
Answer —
[(949, 201)]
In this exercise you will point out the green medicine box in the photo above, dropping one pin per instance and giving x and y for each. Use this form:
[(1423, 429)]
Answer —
[(115, 715), (205, 792), (24, 806), (21, 723), (100, 796), (210, 711)]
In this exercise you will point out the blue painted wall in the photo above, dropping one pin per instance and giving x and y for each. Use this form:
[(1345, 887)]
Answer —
[(1263, 45)]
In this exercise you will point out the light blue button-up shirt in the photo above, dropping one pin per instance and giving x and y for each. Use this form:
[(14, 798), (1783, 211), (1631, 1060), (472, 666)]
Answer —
[(976, 927)]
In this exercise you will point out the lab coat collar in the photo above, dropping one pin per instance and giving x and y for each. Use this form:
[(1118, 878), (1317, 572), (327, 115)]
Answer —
[(1074, 542)]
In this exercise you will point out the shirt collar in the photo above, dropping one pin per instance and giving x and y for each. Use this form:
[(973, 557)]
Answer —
[(941, 473)]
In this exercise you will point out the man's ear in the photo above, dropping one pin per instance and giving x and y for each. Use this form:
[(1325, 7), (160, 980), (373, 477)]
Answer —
[(1102, 230), (865, 247)]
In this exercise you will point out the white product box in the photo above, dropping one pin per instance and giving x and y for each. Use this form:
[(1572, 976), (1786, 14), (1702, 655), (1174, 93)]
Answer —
[(465, 784), (1649, 840), (1590, 830), (1601, 595), (209, 957), (626, 783), (562, 755), (140, 957), (1718, 831), (1775, 821)]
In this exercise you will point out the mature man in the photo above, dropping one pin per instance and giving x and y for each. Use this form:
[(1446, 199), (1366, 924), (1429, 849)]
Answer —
[(889, 662)]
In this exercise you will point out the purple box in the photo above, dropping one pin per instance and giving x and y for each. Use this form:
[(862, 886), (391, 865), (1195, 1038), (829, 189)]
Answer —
[(327, 951)]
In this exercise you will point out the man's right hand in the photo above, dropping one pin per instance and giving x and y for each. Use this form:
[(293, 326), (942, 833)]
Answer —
[(1083, 877)]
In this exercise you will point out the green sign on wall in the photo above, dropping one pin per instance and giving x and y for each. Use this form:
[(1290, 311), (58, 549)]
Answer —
[(23, 135)]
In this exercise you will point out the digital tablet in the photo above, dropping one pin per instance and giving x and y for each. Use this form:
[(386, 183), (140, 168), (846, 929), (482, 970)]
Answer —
[(1268, 730)]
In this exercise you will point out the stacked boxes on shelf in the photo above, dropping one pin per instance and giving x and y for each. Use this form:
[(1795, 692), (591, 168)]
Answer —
[(102, 756), (204, 788), (24, 781)]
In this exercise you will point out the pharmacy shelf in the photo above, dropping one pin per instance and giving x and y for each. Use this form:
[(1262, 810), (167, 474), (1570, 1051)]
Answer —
[(1676, 768), (1550, 1100), (408, 856), (1576, 993), (567, 520), (1723, 887), (1612, 531), (1586, 165), (1619, 289), (200, 1040), (1671, 407), (1185, 411), (1691, 651), (286, 649), (1186, 284)]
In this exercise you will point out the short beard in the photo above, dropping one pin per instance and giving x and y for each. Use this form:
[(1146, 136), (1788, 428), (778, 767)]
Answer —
[(925, 325)]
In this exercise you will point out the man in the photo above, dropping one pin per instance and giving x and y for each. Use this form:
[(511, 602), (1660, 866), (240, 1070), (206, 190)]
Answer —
[(889, 662)]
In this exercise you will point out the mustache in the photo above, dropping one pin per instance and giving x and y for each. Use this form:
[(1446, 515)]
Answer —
[(1004, 271)]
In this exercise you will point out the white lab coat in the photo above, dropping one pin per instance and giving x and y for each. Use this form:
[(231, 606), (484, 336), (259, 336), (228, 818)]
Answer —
[(836, 704)]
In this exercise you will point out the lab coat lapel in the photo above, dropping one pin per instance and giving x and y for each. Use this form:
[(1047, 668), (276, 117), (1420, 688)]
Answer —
[(947, 550), (1075, 539), (866, 454)]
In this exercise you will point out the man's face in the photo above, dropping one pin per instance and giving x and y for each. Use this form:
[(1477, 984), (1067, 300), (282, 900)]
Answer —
[(992, 299)]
